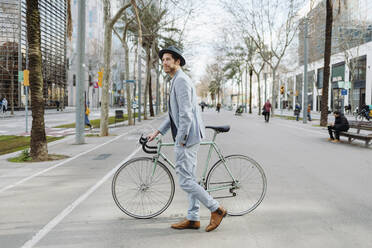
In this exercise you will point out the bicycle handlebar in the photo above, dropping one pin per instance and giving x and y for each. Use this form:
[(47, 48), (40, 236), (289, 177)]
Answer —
[(150, 149)]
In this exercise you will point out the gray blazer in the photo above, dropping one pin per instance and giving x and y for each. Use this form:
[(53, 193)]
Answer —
[(184, 111)]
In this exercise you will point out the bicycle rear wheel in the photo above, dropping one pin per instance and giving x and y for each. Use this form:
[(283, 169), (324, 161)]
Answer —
[(140, 191), (244, 196)]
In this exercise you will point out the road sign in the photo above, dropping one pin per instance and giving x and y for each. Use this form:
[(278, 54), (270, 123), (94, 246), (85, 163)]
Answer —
[(344, 85), (344, 92), (20, 76)]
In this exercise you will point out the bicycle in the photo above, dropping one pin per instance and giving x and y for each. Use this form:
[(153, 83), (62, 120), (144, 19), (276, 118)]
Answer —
[(362, 114), (144, 187)]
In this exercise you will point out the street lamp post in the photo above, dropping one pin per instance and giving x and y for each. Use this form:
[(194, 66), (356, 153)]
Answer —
[(250, 90), (79, 136), (265, 77), (304, 107), (139, 80)]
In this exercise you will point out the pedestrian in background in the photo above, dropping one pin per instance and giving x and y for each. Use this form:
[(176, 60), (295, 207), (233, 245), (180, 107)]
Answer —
[(218, 107), (266, 110), (202, 105), (57, 105), (341, 125), (5, 105), (87, 122), (297, 111), (309, 112)]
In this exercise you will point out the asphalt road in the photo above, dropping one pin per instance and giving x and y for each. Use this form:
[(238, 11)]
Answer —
[(318, 195)]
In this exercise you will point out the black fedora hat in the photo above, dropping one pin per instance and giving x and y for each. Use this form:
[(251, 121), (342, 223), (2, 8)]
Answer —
[(173, 50)]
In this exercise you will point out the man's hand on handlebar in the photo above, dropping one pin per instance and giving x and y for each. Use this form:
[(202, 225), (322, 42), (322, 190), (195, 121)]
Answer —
[(152, 136)]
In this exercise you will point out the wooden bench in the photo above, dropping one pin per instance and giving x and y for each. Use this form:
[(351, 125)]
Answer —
[(359, 125)]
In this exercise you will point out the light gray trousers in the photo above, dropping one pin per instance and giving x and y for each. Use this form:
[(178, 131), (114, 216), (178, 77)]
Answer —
[(186, 162)]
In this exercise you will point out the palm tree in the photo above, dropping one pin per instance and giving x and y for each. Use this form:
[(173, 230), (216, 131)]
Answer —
[(39, 149)]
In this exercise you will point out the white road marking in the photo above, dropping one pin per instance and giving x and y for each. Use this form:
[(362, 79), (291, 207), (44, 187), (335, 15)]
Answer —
[(59, 164), (54, 222)]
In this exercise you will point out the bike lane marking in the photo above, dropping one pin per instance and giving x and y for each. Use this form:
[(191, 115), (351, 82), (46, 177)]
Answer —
[(66, 161), (56, 220)]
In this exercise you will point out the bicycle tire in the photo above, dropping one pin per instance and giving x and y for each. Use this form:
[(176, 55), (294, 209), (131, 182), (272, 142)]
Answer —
[(140, 194), (360, 117), (248, 195)]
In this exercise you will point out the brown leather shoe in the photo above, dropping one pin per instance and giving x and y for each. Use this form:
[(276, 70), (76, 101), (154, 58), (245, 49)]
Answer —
[(336, 141), (216, 218), (186, 224)]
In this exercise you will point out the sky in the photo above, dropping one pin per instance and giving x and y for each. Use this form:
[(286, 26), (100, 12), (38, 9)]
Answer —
[(202, 31)]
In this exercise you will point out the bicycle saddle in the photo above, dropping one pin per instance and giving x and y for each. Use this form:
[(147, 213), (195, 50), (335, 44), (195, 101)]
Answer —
[(220, 129)]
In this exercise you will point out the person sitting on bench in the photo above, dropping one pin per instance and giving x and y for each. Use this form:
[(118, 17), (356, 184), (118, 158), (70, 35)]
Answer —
[(341, 124)]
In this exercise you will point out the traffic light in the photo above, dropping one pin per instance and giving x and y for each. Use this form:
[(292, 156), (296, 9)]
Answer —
[(100, 78), (26, 78), (282, 89)]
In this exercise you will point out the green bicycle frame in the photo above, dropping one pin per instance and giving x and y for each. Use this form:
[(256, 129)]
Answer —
[(212, 146)]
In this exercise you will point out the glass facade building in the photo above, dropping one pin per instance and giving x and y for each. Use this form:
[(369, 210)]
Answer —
[(13, 28)]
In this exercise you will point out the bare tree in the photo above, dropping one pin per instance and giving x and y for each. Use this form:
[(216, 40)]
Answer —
[(124, 41), (109, 24), (272, 25), (158, 27), (216, 75), (327, 60)]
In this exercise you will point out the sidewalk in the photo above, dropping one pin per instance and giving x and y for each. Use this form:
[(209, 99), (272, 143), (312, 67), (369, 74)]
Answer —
[(67, 146), (22, 113), (68, 109), (16, 124)]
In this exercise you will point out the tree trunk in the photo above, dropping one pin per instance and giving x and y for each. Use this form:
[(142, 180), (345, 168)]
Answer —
[(165, 101), (238, 96), (38, 144), (273, 93), (106, 72), (127, 85), (327, 59), (246, 90), (151, 105), (149, 79), (250, 92), (148, 56), (259, 94)]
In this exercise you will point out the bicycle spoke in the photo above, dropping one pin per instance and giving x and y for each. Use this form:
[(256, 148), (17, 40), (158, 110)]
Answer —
[(141, 192), (250, 188)]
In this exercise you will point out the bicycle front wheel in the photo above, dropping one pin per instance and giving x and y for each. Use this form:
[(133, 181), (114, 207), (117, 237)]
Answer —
[(248, 190), (142, 189)]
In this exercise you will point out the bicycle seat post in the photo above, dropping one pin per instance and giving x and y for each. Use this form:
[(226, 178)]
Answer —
[(214, 135)]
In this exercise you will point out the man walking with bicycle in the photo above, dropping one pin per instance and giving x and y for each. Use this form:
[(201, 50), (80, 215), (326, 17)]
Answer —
[(187, 129)]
